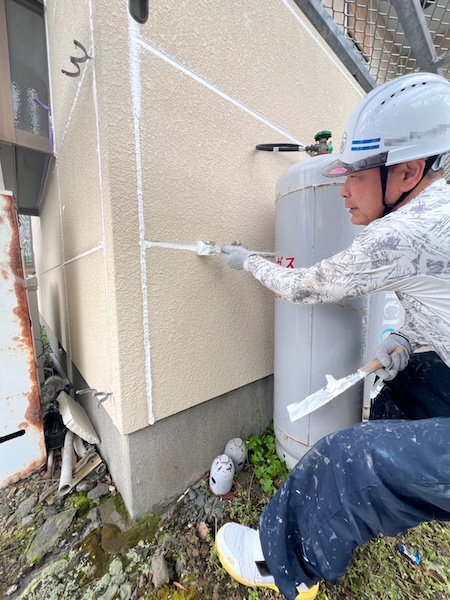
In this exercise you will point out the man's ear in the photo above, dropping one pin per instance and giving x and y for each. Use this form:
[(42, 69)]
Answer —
[(410, 173)]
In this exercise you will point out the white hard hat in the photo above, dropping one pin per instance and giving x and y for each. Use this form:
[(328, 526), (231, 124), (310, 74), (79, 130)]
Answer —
[(404, 119), (237, 451), (221, 475)]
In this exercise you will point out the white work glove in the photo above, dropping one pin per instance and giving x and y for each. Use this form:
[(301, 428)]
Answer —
[(234, 256), (392, 363)]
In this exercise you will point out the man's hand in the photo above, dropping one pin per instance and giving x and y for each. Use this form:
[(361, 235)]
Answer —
[(235, 256), (392, 363)]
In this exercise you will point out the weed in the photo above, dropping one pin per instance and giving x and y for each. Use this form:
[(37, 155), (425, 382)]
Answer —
[(46, 356), (268, 466)]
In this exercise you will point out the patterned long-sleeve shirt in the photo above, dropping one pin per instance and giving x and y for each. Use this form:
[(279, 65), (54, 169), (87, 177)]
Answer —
[(407, 252)]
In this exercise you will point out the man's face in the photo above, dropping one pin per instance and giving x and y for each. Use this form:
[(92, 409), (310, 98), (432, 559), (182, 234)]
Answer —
[(362, 194)]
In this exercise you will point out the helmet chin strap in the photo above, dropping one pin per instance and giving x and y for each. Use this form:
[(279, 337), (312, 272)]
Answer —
[(388, 208)]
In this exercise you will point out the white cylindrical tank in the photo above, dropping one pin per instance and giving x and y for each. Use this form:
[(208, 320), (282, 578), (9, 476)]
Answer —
[(385, 315), (312, 341)]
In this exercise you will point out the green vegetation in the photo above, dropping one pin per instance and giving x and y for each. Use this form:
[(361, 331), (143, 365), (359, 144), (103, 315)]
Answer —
[(80, 501), (379, 570), (46, 349), (269, 469)]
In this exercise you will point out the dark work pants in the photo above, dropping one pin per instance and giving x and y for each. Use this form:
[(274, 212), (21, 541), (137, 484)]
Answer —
[(384, 476)]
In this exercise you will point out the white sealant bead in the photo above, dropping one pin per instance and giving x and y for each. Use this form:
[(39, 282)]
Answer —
[(206, 248)]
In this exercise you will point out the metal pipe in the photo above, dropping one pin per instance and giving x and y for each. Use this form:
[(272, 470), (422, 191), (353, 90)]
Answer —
[(410, 15)]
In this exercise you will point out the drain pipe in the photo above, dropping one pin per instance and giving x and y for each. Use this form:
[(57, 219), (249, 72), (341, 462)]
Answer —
[(65, 481), (50, 463), (78, 446)]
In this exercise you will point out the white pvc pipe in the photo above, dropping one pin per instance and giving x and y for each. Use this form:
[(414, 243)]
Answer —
[(78, 446), (65, 481), (50, 463)]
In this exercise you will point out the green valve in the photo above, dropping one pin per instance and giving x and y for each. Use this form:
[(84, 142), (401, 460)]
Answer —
[(325, 134)]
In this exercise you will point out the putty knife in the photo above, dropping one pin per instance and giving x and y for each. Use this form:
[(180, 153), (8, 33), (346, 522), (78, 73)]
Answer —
[(334, 388)]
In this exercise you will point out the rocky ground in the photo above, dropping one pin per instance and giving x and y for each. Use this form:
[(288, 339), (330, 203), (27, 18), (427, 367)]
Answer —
[(85, 546)]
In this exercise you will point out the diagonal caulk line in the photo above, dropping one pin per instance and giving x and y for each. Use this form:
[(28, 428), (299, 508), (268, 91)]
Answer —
[(146, 46), (99, 246)]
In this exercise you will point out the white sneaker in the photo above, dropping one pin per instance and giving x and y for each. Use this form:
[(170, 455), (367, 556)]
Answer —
[(239, 550)]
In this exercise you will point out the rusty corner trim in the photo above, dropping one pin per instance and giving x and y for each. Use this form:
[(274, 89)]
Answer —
[(33, 414), (13, 267)]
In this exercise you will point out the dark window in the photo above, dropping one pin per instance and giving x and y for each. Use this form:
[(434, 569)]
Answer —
[(25, 132)]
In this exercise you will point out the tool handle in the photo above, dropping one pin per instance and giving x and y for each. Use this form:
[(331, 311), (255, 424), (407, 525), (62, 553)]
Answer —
[(371, 367), (375, 364)]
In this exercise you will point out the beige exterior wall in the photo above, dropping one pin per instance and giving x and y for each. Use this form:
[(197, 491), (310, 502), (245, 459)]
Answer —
[(155, 144)]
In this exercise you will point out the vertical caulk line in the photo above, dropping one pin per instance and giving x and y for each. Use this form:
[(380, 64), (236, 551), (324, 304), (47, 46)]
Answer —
[(102, 207), (63, 267), (135, 77)]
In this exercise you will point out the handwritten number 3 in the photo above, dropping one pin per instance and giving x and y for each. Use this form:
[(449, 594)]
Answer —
[(75, 61)]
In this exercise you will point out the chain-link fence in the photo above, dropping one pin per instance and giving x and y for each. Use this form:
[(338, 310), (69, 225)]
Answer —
[(378, 36), (387, 38)]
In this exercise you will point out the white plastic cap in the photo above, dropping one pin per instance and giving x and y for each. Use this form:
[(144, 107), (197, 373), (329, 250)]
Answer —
[(237, 451), (221, 475)]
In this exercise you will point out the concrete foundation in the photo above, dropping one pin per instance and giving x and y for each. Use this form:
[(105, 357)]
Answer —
[(153, 466)]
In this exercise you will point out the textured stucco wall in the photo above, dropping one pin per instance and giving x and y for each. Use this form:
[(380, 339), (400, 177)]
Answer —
[(72, 237), (155, 144)]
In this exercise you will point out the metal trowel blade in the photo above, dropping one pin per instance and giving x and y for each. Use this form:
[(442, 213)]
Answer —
[(334, 388)]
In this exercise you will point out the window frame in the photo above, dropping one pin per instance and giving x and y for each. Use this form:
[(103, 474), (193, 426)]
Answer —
[(8, 132)]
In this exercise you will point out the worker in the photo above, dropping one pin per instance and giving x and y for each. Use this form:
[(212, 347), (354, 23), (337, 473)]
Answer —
[(392, 472)]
